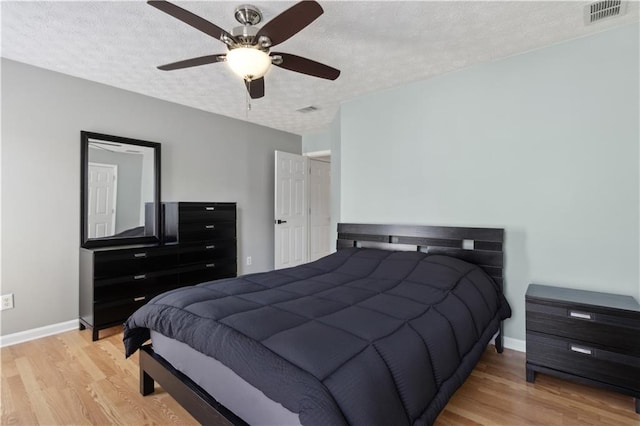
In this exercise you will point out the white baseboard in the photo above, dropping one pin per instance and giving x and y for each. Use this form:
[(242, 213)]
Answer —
[(511, 343), (36, 333), (515, 344)]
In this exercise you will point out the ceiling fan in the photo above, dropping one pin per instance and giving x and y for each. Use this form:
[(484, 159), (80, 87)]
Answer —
[(249, 54)]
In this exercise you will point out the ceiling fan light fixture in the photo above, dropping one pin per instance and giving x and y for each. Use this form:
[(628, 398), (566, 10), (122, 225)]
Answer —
[(248, 62)]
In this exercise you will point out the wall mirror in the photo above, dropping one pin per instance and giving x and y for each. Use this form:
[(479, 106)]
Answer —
[(120, 190)]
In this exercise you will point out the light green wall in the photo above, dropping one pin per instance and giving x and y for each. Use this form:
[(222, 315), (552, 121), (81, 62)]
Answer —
[(317, 141), (205, 157), (544, 144)]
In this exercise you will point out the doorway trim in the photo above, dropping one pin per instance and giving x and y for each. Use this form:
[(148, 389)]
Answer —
[(313, 154)]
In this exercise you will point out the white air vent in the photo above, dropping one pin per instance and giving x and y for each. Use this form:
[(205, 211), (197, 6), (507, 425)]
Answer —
[(308, 109), (605, 9)]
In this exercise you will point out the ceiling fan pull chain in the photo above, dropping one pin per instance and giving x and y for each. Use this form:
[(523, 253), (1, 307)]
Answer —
[(248, 98)]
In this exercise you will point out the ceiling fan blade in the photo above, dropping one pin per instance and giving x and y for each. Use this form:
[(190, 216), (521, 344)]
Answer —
[(191, 19), (305, 66), (194, 62), (255, 87), (289, 22)]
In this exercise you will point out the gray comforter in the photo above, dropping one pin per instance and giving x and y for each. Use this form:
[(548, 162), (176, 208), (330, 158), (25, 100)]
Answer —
[(362, 336)]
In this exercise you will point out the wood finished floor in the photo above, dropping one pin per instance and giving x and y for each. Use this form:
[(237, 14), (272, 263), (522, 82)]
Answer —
[(68, 380)]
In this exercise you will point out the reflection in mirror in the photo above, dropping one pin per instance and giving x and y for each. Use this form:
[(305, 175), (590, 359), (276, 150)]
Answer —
[(120, 185), (120, 179)]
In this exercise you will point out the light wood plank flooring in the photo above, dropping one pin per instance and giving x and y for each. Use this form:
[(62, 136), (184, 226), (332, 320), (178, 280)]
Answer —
[(68, 380)]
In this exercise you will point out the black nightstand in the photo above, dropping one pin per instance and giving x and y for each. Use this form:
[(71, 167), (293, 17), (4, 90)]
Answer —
[(586, 336)]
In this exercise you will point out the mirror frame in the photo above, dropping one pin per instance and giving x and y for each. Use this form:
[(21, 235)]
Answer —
[(87, 242)]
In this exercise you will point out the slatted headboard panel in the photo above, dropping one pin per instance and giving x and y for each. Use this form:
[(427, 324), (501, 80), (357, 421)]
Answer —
[(481, 246)]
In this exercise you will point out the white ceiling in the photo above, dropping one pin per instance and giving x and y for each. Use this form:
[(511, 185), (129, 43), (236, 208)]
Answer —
[(376, 45)]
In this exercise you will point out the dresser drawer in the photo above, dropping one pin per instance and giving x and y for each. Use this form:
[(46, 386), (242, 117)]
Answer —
[(134, 286), (134, 261), (206, 231), (117, 311), (206, 251), (582, 359), (585, 324), (203, 272), (206, 212)]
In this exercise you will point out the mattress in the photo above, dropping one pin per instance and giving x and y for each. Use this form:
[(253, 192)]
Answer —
[(225, 386), (362, 336)]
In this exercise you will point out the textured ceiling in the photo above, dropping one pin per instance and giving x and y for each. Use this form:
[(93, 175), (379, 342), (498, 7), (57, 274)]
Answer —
[(376, 45)]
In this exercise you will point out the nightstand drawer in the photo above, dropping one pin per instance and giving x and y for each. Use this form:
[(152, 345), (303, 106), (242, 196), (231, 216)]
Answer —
[(585, 324), (580, 358)]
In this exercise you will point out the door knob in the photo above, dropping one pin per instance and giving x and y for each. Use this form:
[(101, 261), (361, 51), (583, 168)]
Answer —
[(279, 222)]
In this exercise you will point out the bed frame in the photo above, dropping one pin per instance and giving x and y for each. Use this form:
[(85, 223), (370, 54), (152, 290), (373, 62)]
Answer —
[(481, 246)]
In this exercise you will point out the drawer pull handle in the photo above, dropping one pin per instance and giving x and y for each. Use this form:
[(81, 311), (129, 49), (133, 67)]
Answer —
[(212, 246), (210, 226), (210, 265), (140, 277), (579, 315), (210, 208), (581, 350), (137, 299), (140, 255)]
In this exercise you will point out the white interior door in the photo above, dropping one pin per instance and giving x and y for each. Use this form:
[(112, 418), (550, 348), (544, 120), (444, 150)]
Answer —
[(102, 200), (290, 225), (319, 209)]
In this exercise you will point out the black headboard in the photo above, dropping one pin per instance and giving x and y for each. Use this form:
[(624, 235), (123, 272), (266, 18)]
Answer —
[(481, 246)]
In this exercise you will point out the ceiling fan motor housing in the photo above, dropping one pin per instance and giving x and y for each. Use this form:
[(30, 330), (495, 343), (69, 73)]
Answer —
[(245, 33), (246, 36)]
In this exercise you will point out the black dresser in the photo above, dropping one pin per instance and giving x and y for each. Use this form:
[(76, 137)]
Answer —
[(587, 336), (206, 237), (199, 245)]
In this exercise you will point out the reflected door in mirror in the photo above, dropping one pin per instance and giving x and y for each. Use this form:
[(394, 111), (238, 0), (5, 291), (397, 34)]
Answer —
[(101, 212)]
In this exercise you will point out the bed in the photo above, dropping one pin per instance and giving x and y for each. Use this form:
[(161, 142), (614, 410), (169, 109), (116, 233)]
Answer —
[(381, 332)]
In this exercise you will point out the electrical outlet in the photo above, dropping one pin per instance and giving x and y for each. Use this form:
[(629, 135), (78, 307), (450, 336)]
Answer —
[(248, 260), (7, 302)]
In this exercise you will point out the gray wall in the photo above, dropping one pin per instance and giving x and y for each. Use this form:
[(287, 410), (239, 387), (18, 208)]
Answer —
[(129, 186), (205, 157), (544, 144)]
